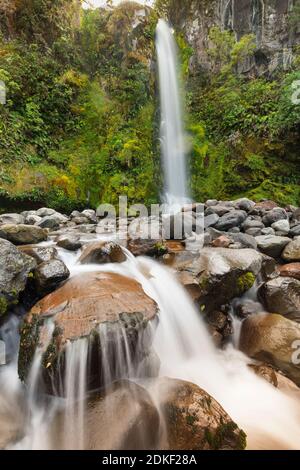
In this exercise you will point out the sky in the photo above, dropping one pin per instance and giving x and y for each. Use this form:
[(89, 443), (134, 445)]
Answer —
[(99, 3)]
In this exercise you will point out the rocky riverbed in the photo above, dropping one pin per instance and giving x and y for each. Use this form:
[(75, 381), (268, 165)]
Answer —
[(242, 271)]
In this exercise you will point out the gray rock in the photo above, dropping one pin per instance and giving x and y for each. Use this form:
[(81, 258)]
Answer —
[(244, 204), (210, 220), (272, 245), (81, 220), (274, 216), (23, 234), (234, 230), (295, 231), (53, 221), (211, 202), (282, 226), (32, 219), (254, 232), (233, 218), (14, 270), (246, 241), (219, 209), (11, 219), (292, 250), (69, 242), (75, 214), (45, 212), (282, 295), (39, 253), (267, 231), (90, 214), (252, 222), (49, 274)]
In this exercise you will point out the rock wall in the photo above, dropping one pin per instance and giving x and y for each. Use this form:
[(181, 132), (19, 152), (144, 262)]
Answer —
[(275, 23)]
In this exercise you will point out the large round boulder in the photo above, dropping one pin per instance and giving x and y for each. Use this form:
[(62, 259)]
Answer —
[(23, 234), (124, 410), (110, 311), (275, 340), (194, 420), (102, 253)]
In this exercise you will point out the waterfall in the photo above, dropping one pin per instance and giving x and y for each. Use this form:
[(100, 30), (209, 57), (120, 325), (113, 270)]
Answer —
[(171, 129)]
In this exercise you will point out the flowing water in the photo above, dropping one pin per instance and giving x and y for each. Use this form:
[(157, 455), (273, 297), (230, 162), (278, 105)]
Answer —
[(183, 344), (172, 135)]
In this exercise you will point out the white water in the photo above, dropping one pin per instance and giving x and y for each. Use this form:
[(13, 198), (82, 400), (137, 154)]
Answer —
[(172, 136), (270, 418)]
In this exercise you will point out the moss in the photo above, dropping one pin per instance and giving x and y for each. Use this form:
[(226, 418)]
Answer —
[(3, 306), (191, 420), (245, 282), (29, 334), (226, 435)]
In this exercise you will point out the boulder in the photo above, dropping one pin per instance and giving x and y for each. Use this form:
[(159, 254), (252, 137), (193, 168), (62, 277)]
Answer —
[(295, 231), (90, 214), (14, 219), (292, 251), (49, 274), (32, 219), (272, 245), (69, 242), (282, 226), (267, 231), (39, 253), (153, 248), (218, 275), (274, 377), (15, 268), (221, 242), (87, 306), (101, 253), (23, 234), (194, 420), (252, 222), (127, 413), (210, 220), (45, 212), (244, 204), (275, 340), (234, 218), (290, 270), (282, 295), (219, 209), (263, 206), (274, 215)]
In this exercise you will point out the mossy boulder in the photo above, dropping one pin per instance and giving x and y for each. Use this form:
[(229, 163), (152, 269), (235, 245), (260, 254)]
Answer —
[(218, 275), (194, 420)]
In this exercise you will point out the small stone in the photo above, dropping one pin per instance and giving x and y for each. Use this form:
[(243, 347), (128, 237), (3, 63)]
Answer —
[(292, 251), (282, 226), (222, 242), (274, 216)]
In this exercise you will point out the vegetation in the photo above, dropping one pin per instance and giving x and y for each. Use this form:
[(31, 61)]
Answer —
[(80, 125)]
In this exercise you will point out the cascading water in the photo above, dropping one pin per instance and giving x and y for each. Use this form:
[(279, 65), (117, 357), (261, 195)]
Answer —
[(172, 136)]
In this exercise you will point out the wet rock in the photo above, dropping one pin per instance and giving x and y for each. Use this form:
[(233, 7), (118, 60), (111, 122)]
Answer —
[(265, 372), (78, 308), (102, 252), (282, 295), (12, 416), (218, 275), (69, 242), (53, 221), (231, 219), (290, 270), (282, 226), (194, 420), (11, 219), (23, 234), (274, 216), (45, 212), (153, 248), (272, 245), (134, 426), (273, 339), (49, 275), (15, 268), (39, 253), (246, 308), (292, 251)]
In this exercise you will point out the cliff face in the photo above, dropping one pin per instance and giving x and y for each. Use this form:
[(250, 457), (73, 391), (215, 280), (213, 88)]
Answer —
[(275, 24)]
